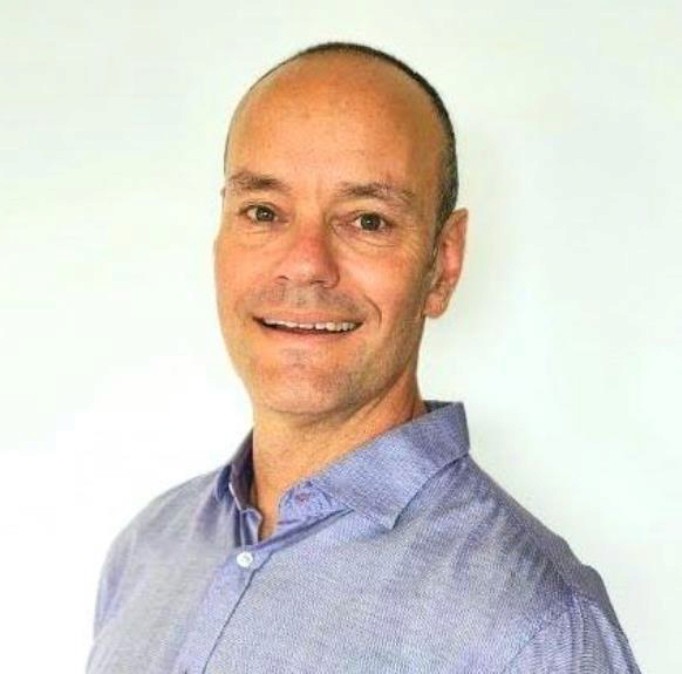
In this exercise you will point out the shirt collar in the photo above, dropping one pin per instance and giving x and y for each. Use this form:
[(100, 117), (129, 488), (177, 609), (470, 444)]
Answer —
[(379, 478), (236, 476)]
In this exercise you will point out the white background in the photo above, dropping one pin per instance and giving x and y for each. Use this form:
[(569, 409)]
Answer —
[(563, 341)]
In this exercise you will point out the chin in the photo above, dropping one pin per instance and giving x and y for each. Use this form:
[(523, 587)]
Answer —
[(299, 408), (306, 395)]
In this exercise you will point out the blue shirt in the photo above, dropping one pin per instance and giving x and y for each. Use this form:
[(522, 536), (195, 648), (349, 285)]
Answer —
[(401, 556)]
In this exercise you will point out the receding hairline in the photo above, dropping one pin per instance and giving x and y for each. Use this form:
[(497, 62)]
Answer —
[(448, 182)]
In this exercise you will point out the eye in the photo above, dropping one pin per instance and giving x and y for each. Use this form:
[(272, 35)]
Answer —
[(260, 214), (371, 222)]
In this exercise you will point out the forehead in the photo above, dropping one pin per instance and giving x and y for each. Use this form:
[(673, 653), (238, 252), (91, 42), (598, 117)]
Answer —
[(329, 115)]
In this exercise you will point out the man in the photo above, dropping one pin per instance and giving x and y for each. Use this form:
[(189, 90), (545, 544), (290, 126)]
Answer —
[(352, 532)]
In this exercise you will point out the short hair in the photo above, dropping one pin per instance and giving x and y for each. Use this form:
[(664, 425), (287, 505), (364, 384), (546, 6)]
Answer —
[(449, 179)]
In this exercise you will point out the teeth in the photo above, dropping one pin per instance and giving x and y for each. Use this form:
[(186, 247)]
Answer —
[(322, 327)]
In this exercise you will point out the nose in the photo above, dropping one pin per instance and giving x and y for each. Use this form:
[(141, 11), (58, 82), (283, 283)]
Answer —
[(309, 256)]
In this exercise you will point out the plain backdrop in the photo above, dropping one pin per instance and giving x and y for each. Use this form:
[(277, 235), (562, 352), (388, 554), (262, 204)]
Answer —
[(563, 340)]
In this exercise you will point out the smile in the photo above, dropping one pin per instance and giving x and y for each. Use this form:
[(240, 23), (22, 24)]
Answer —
[(320, 327)]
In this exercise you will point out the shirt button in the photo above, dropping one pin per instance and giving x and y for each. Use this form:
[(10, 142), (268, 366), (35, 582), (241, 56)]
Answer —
[(245, 559)]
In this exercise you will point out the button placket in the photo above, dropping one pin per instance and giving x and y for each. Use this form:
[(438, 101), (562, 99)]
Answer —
[(227, 589)]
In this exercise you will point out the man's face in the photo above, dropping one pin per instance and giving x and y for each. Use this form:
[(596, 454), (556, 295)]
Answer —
[(324, 257)]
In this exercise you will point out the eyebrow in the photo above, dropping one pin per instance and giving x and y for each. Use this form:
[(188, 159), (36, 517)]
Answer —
[(247, 181), (382, 191)]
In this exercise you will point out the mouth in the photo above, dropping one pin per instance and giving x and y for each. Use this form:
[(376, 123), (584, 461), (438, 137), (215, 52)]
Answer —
[(317, 327)]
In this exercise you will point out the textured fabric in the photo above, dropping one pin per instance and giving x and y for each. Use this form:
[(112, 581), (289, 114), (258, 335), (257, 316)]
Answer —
[(402, 556)]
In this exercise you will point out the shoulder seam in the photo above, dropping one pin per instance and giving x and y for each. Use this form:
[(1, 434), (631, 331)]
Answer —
[(548, 621)]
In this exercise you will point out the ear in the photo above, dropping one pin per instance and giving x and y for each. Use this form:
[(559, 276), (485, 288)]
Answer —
[(447, 263)]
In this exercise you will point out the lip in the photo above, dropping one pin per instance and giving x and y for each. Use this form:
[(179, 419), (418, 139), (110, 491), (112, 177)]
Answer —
[(305, 334), (302, 319)]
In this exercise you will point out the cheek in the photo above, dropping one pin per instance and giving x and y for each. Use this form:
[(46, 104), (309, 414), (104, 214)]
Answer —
[(232, 265), (397, 291), (230, 277)]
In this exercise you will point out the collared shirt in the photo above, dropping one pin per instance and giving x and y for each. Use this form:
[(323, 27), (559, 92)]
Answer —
[(401, 556)]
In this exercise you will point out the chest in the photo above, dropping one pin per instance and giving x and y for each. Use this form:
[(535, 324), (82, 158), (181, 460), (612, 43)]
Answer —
[(364, 602)]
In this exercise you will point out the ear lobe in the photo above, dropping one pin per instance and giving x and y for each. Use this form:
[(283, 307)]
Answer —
[(449, 249)]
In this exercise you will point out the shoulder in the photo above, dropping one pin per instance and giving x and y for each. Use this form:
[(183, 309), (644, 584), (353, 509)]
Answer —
[(489, 523), (172, 508), (527, 537), (515, 583), (152, 533)]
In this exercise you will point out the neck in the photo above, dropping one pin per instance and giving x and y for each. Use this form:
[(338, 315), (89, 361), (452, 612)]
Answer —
[(288, 448)]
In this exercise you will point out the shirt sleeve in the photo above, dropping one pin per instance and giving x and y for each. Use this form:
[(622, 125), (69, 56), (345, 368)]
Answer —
[(582, 640)]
